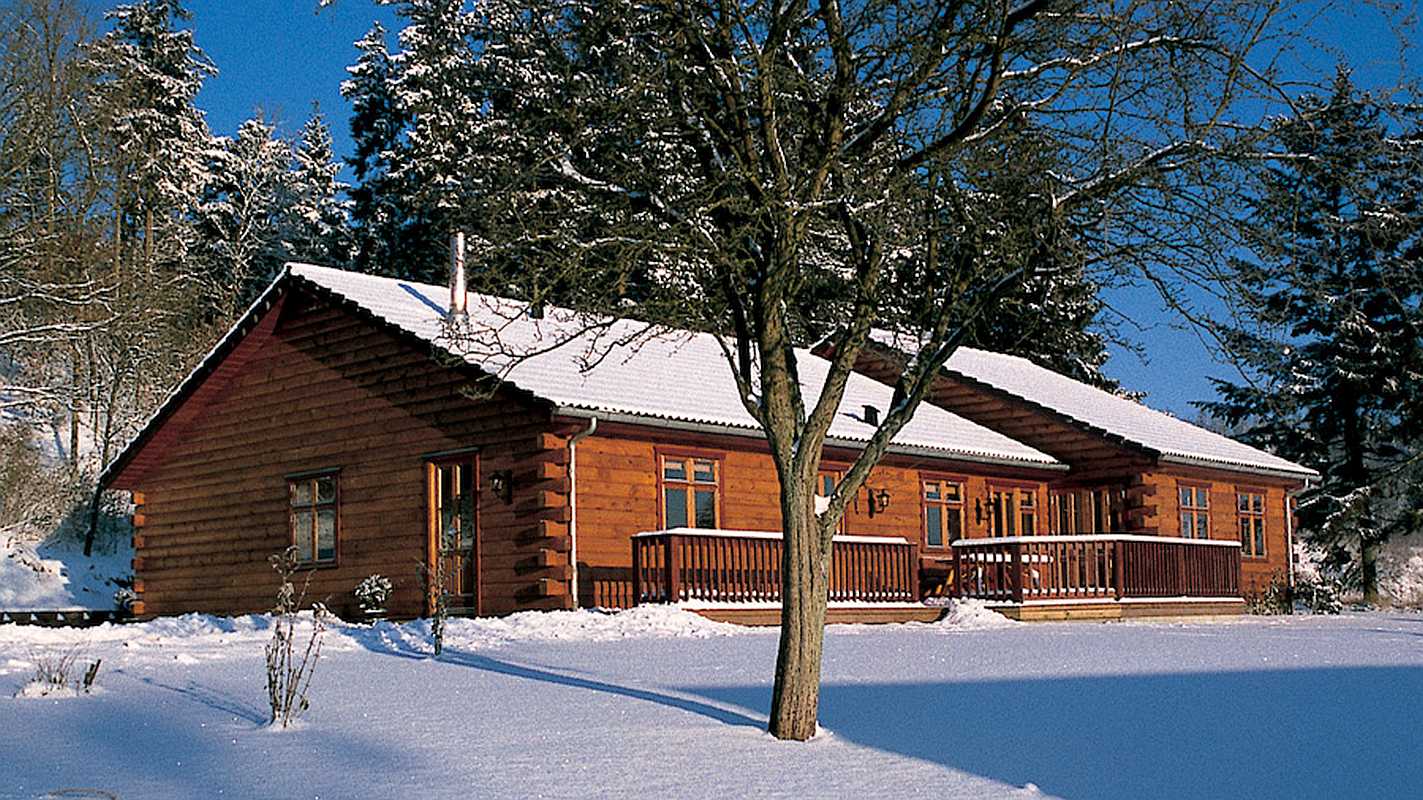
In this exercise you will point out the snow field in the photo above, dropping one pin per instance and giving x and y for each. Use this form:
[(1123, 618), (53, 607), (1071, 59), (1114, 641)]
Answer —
[(658, 702)]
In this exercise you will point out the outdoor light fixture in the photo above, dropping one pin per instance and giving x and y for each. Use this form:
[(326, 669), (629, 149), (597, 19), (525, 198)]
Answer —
[(501, 484), (878, 499)]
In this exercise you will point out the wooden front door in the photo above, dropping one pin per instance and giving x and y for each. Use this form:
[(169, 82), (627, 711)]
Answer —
[(453, 491)]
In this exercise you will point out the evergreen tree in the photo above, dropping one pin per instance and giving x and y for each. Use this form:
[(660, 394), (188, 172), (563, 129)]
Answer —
[(315, 227), (377, 127), (150, 71), (243, 212), (1332, 338)]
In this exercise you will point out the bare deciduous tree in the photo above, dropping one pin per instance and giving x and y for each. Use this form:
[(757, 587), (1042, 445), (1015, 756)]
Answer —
[(782, 172)]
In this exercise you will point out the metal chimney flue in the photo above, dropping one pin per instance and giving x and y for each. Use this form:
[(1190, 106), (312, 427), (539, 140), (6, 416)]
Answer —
[(459, 295)]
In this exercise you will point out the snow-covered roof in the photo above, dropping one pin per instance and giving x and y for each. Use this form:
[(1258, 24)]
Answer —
[(1174, 440), (614, 368)]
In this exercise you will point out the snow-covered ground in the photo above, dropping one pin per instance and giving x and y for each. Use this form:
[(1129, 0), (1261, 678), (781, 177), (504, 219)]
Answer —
[(55, 574), (661, 703)]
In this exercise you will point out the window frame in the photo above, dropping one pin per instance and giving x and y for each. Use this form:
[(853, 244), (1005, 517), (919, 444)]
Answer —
[(662, 456), (835, 472), (1197, 512), (1248, 550), (1063, 507), (315, 507), (946, 506)]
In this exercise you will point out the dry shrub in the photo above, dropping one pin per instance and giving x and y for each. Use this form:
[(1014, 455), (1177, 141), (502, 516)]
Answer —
[(289, 676)]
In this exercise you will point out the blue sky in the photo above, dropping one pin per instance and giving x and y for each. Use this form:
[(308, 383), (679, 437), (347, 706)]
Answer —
[(280, 56)]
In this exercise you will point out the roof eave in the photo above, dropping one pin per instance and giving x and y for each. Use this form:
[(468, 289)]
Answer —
[(1182, 459), (832, 441), (234, 336)]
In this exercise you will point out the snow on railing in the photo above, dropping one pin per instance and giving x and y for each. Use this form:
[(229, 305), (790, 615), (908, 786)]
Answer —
[(745, 566), (1102, 566)]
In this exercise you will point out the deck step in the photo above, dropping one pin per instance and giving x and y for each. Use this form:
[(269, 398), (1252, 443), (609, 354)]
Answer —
[(770, 615), (1164, 608)]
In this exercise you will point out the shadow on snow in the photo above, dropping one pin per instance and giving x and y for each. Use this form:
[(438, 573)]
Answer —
[(1323, 732), (381, 644)]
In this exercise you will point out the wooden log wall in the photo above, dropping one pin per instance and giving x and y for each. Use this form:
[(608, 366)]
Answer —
[(327, 390), (617, 475), (1255, 573)]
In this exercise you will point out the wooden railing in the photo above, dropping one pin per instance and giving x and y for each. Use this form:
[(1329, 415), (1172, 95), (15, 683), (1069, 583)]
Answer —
[(1105, 566), (745, 567)]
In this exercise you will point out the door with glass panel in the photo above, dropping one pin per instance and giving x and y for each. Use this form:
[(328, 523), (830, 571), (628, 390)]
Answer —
[(1012, 511), (452, 486)]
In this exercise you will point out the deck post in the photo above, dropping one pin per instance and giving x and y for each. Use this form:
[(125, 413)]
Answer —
[(915, 580), (957, 589), (1118, 569), (1181, 569), (1016, 571), (636, 571), (674, 570)]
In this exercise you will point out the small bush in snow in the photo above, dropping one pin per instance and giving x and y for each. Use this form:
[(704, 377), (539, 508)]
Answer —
[(434, 581), (55, 673), (373, 592), (289, 678), (1319, 594), (124, 599), (1275, 599)]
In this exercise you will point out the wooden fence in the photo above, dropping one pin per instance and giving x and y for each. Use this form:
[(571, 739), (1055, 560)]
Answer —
[(745, 567), (1104, 566)]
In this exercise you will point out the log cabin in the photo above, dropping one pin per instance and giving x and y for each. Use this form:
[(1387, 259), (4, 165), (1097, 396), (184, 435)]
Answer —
[(502, 457)]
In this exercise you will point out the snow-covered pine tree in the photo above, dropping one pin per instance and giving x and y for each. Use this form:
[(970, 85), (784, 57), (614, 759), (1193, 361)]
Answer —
[(378, 124), (150, 71), (242, 213), (1053, 315), (433, 85), (1331, 335), (315, 227)]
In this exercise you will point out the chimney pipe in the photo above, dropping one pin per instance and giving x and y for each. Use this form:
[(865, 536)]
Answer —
[(459, 298)]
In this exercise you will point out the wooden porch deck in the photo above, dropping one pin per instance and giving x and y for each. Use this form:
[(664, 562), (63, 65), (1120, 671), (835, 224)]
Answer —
[(734, 576)]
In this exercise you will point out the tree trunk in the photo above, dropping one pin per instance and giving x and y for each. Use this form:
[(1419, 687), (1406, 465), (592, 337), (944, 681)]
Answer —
[(795, 700), (1356, 476), (1369, 569)]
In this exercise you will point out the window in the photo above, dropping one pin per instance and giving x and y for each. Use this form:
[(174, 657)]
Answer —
[(1028, 512), (943, 512), (1250, 511), (1000, 513), (312, 516), (825, 484), (1195, 512), (690, 488)]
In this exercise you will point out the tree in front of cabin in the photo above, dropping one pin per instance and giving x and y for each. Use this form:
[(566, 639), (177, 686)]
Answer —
[(767, 171), (1331, 339)]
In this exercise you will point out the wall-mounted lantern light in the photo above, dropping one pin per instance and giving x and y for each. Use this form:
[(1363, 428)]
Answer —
[(501, 485), (877, 499)]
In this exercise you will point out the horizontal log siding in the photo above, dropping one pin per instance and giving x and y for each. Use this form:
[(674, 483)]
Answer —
[(617, 497), (328, 390), (1255, 573)]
